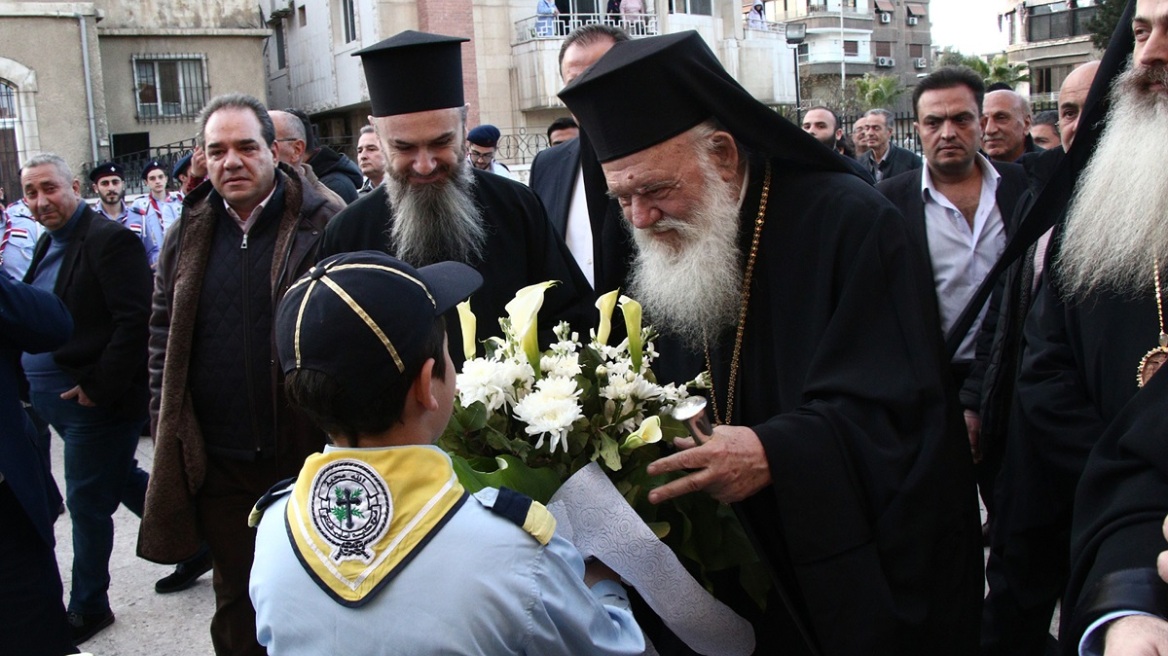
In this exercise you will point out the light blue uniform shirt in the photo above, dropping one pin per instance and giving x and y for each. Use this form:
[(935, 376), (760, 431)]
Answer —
[(165, 212), (481, 585), (22, 242), (146, 226)]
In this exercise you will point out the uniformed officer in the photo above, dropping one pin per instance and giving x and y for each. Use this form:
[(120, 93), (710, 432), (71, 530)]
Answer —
[(109, 183), (376, 548)]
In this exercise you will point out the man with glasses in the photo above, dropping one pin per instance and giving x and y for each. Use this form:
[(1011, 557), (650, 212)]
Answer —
[(481, 144), (884, 159)]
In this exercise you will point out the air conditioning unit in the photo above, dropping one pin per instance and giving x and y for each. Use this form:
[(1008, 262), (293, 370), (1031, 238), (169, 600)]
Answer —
[(885, 17), (920, 62), (912, 20), (885, 62)]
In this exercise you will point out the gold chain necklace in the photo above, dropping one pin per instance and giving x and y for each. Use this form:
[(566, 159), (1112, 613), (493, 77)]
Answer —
[(1154, 359), (744, 303)]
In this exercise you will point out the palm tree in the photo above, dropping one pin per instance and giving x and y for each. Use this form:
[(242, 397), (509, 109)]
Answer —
[(875, 91), (1001, 70)]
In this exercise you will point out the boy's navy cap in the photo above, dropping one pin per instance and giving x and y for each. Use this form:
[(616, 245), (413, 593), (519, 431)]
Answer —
[(183, 164), (106, 169), (484, 135), (150, 166), (364, 317)]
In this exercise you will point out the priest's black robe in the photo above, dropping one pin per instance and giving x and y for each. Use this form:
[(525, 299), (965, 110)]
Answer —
[(872, 516), (521, 249), (1120, 505), (1078, 371), (1089, 426)]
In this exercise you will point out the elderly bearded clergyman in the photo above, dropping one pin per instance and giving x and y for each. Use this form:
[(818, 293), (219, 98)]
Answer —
[(793, 282), (435, 206)]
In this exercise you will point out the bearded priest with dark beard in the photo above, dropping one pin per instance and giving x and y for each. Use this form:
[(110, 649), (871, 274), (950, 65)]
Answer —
[(434, 206), (838, 436)]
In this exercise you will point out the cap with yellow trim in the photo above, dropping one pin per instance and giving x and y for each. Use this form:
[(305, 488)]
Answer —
[(363, 317)]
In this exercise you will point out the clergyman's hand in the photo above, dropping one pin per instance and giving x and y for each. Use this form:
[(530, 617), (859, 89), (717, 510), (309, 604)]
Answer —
[(730, 467), (1162, 559), (1137, 635)]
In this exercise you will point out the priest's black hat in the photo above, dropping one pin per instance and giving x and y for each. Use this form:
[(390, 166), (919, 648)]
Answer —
[(414, 72), (646, 91)]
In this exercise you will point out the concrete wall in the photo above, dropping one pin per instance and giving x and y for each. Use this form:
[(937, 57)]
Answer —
[(232, 64), (54, 113), (185, 14)]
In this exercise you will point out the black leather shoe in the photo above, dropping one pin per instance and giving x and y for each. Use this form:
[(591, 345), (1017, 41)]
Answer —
[(185, 573), (83, 626)]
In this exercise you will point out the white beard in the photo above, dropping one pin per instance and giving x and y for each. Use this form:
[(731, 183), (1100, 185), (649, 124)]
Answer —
[(1117, 224), (436, 222), (693, 292)]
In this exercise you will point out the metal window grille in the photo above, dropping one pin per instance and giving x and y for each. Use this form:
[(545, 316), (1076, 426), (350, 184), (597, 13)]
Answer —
[(170, 87)]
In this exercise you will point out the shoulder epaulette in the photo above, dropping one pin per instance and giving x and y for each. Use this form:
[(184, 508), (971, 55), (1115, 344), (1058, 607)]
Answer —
[(526, 513), (278, 490)]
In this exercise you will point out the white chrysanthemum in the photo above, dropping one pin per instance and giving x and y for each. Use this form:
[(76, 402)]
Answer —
[(566, 365), (493, 382), (550, 411), (630, 386)]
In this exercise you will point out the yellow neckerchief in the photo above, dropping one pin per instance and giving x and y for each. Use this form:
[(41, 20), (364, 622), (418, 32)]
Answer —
[(356, 516)]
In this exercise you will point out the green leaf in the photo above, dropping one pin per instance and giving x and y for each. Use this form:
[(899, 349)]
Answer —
[(610, 453), (538, 483)]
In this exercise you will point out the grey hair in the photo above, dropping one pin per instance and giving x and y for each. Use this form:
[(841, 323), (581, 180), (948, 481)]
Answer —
[(368, 129), (294, 124), (889, 118), (239, 101), (50, 159)]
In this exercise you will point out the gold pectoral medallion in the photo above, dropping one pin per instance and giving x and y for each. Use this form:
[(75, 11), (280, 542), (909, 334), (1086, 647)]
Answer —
[(1151, 363)]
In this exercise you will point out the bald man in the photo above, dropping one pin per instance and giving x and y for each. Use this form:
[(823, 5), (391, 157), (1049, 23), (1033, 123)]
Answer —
[(1005, 117), (1027, 567), (1071, 98)]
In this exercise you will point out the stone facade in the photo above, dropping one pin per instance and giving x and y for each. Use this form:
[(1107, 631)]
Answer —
[(150, 66)]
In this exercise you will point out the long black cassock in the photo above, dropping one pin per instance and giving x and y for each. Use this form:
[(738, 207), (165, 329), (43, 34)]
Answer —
[(521, 249), (1088, 424), (872, 517)]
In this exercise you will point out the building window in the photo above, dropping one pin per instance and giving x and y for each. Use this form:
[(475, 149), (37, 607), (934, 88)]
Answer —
[(348, 20), (302, 16), (916, 50), (695, 7), (9, 150), (851, 48), (882, 48), (168, 87), (1040, 81), (281, 57)]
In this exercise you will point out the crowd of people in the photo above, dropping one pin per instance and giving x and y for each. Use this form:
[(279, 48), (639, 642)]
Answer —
[(886, 336)]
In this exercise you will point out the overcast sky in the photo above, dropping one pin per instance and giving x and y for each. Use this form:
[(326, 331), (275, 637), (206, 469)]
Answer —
[(970, 26)]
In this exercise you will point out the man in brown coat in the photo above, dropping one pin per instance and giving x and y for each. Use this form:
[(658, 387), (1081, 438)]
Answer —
[(224, 434)]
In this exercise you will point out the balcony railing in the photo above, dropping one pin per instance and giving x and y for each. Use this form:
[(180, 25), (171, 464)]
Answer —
[(820, 10), (1059, 25), (766, 26), (558, 27)]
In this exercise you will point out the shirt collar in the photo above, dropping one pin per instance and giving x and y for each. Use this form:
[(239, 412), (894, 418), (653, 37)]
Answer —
[(259, 209), (989, 176)]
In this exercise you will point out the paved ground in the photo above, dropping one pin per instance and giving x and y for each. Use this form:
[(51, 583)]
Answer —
[(147, 623)]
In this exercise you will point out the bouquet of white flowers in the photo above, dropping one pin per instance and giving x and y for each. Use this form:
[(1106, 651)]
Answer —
[(528, 419)]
